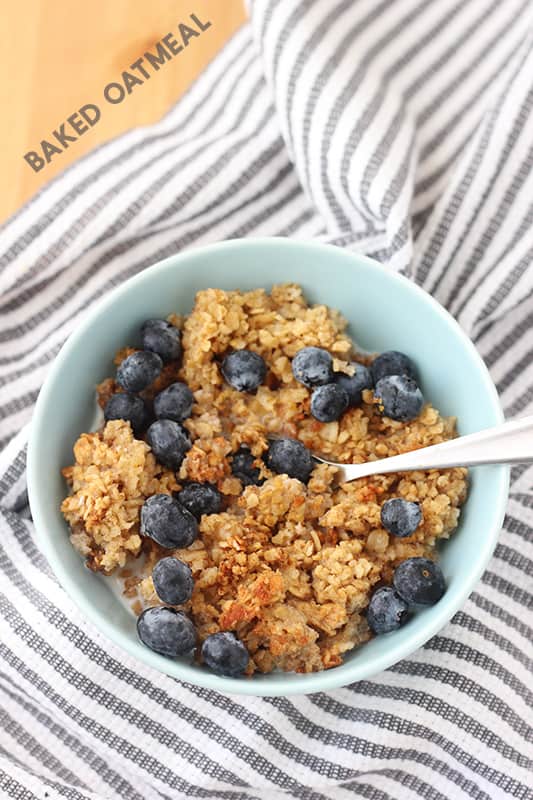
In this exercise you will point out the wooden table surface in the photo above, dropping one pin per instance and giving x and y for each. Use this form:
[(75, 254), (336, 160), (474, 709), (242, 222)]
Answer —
[(60, 54)]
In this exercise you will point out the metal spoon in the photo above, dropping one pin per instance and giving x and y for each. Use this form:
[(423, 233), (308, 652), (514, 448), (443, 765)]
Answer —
[(509, 443)]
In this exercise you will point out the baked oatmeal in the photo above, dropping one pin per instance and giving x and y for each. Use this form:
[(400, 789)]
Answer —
[(287, 561)]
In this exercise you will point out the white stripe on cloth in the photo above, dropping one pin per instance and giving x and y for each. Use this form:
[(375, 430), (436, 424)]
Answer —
[(402, 130)]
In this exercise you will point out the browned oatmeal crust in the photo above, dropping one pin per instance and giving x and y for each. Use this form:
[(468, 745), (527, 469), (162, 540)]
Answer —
[(288, 567), (113, 475)]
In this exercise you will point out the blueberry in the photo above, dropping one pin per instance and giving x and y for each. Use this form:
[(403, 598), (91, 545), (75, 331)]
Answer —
[(165, 521), (356, 383), (200, 498), (312, 366), (225, 654), (392, 363), (175, 402), (128, 407), (400, 517), (242, 466), (169, 442), (173, 581), (290, 457), (139, 370), (160, 337), (329, 402), (387, 611), (419, 581), (399, 397), (244, 370), (166, 631)]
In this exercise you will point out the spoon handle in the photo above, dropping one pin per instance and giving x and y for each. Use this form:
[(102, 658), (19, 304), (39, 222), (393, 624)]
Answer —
[(509, 443)]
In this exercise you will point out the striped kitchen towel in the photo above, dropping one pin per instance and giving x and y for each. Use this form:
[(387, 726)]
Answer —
[(400, 128)]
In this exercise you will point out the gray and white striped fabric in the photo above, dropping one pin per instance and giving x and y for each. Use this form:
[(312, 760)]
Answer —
[(403, 129)]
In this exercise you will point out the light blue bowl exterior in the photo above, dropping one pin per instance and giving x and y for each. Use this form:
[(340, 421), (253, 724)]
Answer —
[(385, 311)]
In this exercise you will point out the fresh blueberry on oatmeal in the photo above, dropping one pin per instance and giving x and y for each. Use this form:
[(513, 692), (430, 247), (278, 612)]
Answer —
[(244, 370), (400, 517), (167, 522), (173, 581), (166, 631), (243, 467), (329, 402), (225, 654), (290, 457), (419, 581), (160, 337), (313, 366), (200, 498), (169, 442), (175, 402), (128, 407), (218, 505), (399, 397), (392, 363), (355, 384), (387, 611), (139, 370)]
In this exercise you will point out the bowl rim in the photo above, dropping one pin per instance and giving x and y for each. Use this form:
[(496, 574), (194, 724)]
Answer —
[(277, 684)]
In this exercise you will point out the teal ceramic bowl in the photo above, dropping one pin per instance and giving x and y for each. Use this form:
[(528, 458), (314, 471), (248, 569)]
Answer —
[(385, 312)]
